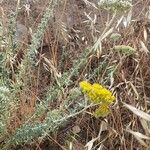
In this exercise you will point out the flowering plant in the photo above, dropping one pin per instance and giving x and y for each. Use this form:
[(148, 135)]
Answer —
[(98, 94), (115, 5)]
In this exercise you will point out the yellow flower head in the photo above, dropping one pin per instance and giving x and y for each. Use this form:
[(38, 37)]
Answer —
[(102, 111), (85, 86), (98, 94)]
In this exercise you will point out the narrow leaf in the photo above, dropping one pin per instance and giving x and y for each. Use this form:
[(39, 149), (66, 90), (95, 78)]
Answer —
[(138, 112)]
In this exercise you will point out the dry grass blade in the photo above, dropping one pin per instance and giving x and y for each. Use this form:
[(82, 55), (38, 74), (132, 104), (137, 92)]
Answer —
[(90, 4), (127, 20), (129, 17), (144, 48), (101, 147), (103, 127), (138, 112), (134, 89), (89, 145), (98, 45), (53, 68), (119, 22), (145, 34), (105, 33), (146, 126), (140, 137)]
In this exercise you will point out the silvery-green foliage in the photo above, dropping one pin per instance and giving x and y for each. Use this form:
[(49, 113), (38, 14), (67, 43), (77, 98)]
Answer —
[(29, 60), (27, 132), (9, 89), (12, 33), (115, 5), (74, 101), (53, 120), (50, 97), (124, 49), (77, 64), (4, 107), (115, 36), (37, 36)]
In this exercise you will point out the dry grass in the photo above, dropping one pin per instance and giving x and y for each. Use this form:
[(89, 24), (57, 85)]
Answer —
[(78, 25)]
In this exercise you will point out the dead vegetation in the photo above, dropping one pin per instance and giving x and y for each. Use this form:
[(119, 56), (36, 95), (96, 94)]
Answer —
[(78, 44)]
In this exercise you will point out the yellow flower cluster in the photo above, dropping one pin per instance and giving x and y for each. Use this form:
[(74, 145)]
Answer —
[(102, 110), (98, 94)]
